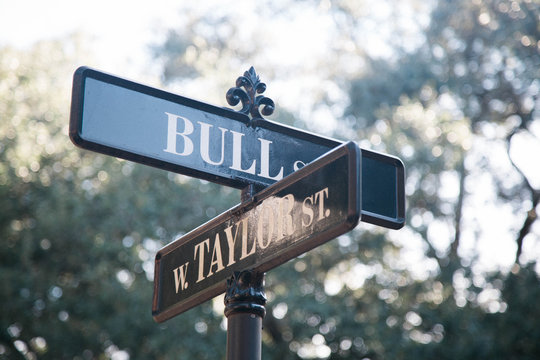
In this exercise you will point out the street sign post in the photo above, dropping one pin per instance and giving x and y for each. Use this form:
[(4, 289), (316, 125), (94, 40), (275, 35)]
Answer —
[(309, 207), (313, 189), (128, 120)]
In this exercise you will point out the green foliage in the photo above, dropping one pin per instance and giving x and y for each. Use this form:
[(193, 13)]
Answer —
[(477, 72), (79, 232)]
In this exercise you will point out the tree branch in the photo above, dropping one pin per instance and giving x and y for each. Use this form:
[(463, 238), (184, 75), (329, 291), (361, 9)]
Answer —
[(459, 211), (535, 198)]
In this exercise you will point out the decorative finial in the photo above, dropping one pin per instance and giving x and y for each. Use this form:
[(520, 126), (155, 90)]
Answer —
[(250, 102)]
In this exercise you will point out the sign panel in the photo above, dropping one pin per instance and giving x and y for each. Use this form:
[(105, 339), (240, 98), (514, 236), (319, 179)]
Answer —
[(313, 205), (128, 120)]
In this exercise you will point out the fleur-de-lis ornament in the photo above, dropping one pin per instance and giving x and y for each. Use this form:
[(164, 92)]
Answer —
[(246, 90)]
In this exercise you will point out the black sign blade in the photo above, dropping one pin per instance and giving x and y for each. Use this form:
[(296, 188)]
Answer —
[(135, 122), (383, 190), (313, 205)]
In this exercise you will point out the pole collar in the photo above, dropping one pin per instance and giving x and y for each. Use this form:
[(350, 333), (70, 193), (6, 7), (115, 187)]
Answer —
[(245, 293)]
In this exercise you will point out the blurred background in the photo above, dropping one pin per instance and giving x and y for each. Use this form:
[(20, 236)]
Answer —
[(451, 87)]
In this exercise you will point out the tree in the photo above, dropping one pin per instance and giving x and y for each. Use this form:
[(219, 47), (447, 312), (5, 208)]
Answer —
[(481, 59), (436, 105), (472, 85), (79, 230)]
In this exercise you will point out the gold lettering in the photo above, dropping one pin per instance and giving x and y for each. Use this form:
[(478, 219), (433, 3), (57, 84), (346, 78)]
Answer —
[(199, 248), (308, 211), (245, 253), (285, 217), (231, 240), (180, 273), (322, 212), (216, 257), (269, 229)]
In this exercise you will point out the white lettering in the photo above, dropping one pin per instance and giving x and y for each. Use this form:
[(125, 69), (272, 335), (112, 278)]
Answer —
[(172, 134), (265, 161), (205, 143), (180, 141), (298, 165), (237, 154)]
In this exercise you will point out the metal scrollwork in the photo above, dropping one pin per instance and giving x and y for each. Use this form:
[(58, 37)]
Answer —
[(245, 293), (246, 90)]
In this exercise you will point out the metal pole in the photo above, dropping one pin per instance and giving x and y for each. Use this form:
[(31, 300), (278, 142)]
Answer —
[(244, 309)]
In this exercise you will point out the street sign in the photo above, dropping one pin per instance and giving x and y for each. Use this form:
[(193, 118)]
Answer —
[(128, 120), (313, 205)]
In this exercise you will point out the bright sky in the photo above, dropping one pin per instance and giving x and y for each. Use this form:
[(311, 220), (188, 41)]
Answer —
[(122, 30)]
